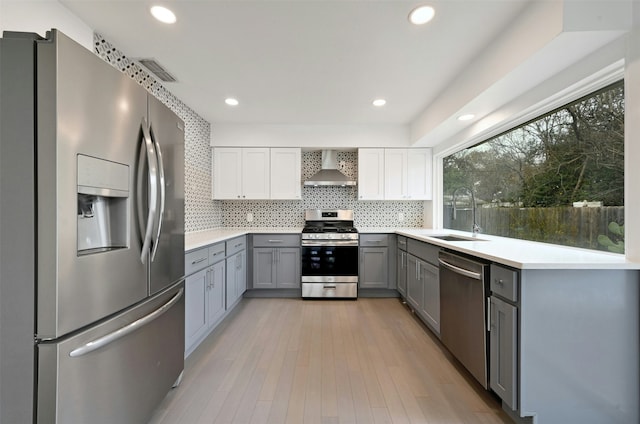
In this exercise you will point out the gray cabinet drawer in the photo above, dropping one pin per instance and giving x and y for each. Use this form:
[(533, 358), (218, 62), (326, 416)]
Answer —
[(402, 243), (504, 282), (425, 251), (276, 240), (372, 240), (216, 253), (236, 245), (196, 260)]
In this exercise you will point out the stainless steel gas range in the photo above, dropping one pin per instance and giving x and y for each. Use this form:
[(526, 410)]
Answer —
[(329, 254)]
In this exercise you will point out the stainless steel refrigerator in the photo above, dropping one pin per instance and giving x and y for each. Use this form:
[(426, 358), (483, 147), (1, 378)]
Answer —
[(92, 238)]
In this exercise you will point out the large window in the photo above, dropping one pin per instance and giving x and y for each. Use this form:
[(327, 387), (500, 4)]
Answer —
[(556, 179)]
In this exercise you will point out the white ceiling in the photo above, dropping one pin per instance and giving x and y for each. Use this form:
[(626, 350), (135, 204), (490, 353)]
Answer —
[(304, 62)]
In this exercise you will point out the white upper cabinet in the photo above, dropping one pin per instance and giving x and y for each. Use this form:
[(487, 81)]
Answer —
[(370, 174), (241, 173), (394, 174), (419, 174), (286, 173), (227, 173), (257, 173), (407, 174)]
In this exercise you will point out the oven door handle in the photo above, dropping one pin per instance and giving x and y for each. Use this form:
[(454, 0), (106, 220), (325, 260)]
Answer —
[(312, 243)]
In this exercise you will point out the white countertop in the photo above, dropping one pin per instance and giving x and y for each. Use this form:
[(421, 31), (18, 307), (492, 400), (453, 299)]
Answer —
[(516, 253), (524, 254)]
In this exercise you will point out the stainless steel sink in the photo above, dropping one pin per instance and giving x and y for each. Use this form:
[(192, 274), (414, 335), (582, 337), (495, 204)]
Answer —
[(451, 237)]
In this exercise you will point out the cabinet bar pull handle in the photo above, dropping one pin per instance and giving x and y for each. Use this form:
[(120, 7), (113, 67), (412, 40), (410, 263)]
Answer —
[(198, 261), (276, 241), (329, 287)]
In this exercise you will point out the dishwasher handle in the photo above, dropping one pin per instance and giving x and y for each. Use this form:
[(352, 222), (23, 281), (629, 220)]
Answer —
[(461, 271)]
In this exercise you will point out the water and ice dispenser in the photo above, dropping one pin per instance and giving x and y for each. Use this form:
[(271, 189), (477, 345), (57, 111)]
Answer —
[(103, 196)]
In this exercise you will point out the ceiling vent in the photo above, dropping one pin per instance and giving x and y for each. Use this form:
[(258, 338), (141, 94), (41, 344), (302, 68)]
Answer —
[(155, 68)]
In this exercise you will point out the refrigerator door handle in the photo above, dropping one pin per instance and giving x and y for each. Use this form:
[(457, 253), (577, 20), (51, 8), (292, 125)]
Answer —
[(153, 189), (128, 329), (161, 183)]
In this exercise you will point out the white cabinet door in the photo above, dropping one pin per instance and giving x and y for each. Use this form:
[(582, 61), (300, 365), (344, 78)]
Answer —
[(407, 174), (370, 174), (395, 174), (419, 178), (286, 173), (227, 173), (240, 173), (255, 173)]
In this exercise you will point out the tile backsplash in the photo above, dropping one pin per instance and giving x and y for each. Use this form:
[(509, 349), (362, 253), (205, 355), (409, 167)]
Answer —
[(202, 213)]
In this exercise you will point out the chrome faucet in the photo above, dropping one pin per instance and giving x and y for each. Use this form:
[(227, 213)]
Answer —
[(475, 228)]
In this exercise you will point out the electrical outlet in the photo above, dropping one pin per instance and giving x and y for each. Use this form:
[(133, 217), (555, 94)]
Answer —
[(249, 217), (400, 216)]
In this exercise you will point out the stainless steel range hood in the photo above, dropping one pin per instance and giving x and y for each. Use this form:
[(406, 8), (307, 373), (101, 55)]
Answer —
[(329, 174)]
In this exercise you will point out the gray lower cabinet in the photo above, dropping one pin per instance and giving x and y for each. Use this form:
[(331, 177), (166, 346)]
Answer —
[(276, 268), (216, 289), (236, 277), (503, 334), (196, 291), (415, 287), (401, 272), (423, 282), (503, 337), (374, 268), (377, 261), (216, 280), (276, 261), (236, 281), (204, 303), (430, 308)]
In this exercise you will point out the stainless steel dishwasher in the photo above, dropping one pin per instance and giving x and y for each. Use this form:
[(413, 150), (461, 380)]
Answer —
[(463, 299)]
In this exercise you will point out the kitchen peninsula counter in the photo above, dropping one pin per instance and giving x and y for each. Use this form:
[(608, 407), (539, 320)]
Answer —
[(523, 254)]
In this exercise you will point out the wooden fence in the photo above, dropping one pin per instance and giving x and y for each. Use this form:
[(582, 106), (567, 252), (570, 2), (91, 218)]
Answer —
[(568, 226)]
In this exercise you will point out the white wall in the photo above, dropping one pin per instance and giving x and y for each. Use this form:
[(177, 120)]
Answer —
[(310, 136), (632, 142), (41, 16)]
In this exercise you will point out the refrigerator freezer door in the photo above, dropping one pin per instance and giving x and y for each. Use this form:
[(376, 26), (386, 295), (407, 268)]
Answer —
[(85, 109), (167, 131), (125, 377)]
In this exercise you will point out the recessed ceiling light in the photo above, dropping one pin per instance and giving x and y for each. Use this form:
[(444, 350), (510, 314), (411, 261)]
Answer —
[(379, 102), (163, 14), (421, 15), (467, 117), (231, 101)]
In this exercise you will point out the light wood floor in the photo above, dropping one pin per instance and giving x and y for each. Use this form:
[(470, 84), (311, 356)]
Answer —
[(293, 361)]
